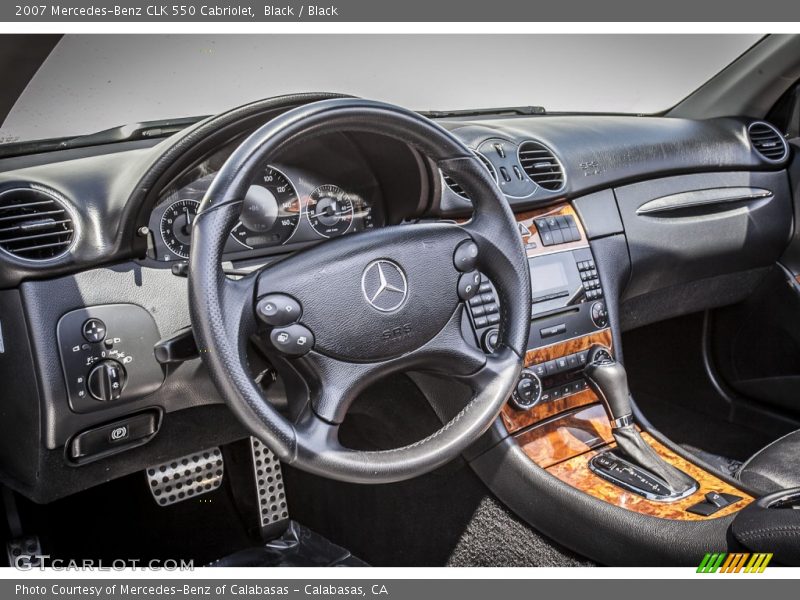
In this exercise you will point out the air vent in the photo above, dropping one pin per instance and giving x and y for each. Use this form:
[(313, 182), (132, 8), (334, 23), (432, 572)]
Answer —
[(34, 224), (541, 165), (768, 141), (457, 188)]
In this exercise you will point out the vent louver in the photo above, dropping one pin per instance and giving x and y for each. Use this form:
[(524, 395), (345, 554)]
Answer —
[(451, 183), (768, 141), (541, 165), (34, 224)]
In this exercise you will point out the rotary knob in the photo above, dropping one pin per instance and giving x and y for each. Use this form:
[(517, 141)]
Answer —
[(106, 380), (528, 391)]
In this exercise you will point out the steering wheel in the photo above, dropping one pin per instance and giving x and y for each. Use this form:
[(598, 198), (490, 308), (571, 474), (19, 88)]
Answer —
[(366, 305)]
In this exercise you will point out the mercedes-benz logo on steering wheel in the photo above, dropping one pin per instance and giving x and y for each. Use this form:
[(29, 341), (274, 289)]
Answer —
[(384, 285)]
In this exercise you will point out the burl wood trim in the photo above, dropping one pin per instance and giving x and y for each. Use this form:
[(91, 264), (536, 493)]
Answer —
[(561, 439), (576, 473), (532, 241), (560, 349), (514, 419)]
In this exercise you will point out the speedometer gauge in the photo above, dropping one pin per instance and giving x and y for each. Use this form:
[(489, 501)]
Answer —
[(270, 211), (176, 226), (330, 210)]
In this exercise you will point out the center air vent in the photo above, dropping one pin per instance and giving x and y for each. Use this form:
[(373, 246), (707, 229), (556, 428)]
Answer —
[(34, 224), (768, 141), (541, 165), (451, 183)]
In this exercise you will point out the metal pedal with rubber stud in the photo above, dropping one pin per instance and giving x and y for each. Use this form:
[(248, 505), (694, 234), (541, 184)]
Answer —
[(28, 547), (273, 507), (186, 477)]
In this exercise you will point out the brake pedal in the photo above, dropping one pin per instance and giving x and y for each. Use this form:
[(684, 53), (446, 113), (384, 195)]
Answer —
[(186, 477), (273, 507)]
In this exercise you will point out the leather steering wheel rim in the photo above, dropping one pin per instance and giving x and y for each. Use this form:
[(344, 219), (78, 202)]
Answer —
[(223, 315)]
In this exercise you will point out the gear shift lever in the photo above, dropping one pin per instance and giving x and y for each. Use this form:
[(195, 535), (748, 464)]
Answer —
[(608, 380)]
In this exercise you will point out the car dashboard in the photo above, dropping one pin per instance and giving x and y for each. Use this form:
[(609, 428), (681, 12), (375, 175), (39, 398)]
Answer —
[(577, 184)]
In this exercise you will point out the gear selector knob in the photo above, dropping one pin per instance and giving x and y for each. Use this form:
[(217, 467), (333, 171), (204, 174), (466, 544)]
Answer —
[(608, 380)]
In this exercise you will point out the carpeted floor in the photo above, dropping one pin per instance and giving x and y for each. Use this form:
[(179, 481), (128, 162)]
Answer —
[(671, 387), (447, 517)]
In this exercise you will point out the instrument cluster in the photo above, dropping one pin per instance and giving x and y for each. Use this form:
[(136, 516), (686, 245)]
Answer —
[(284, 206)]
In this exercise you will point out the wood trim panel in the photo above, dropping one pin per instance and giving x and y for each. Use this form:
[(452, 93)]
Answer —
[(532, 241), (514, 419), (559, 349), (570, 435), (575, 471)]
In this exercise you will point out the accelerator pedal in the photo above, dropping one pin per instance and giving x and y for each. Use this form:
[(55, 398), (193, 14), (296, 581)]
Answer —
[(186, 477), (273, 508)]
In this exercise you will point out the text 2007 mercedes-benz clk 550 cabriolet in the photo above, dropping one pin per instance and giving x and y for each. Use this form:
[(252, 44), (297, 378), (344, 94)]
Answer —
[(322, 329)]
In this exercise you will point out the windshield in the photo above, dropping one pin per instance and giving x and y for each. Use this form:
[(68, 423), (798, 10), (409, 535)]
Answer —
[(95, 82)]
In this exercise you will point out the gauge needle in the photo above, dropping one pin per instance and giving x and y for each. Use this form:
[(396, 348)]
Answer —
[(188, 227)]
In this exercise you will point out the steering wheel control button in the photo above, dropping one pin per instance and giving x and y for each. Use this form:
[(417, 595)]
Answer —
[(278, 310), (528, 392), (490, 340), (466, 256), (294, 340), (468, 285), (106, 380), (94, 330)]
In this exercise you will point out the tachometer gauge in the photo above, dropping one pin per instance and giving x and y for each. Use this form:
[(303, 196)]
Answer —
[(330, 210), (176, 226), (270, 211)]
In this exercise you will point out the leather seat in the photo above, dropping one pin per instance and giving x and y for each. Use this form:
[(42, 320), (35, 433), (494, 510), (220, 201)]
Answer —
[(775, 467)]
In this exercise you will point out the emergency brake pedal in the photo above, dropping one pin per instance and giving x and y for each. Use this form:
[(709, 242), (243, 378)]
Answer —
[(28, 547), (21, 549), (186, 477)]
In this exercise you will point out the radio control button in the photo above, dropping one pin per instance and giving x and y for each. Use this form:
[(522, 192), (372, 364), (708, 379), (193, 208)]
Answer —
[(540, 369), (554, 330)]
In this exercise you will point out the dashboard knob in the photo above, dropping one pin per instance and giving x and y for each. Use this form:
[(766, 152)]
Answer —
[(599, 314), (106, 380), (528, 391)]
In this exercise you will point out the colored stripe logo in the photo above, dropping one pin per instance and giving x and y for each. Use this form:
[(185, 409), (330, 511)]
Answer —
[(736, 562)]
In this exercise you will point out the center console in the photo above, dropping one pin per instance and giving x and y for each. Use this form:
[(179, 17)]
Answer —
[(568, 316), (554, 415)]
